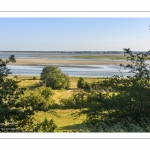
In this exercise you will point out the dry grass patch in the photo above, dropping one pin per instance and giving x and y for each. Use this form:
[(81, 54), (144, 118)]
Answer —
[(28, 83), (61, 94)]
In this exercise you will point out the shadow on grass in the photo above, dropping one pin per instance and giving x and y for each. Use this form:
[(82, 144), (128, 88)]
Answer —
[(34, 86), (105, 126), (74, 128)]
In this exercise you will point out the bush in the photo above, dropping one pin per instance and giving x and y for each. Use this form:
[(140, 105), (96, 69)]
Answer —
[(33, 126), (53, 77), (82, 84), (78, 100), (46, 126), (39, 99), (34, 78)]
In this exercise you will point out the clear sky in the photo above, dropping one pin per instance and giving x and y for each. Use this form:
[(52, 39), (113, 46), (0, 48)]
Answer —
[(74, 34)]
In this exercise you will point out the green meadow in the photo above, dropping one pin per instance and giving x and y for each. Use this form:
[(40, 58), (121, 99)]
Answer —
[(67, 120)]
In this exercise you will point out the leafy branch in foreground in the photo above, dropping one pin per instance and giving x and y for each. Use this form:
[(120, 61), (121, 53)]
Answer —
[(118, 98), (15, 115), (138, 66), (9, 93)]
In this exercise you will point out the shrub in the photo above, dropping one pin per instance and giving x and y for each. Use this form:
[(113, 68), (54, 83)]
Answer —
[(46, 126), (82, 84), (39, 99), (34, 78), (78, 100), (53, 77)]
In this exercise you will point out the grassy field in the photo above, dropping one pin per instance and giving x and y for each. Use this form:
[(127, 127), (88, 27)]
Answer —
[(28, 82), (65, 119)]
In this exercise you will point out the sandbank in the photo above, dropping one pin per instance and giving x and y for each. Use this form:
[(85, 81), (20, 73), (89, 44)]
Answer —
[(29, 61)]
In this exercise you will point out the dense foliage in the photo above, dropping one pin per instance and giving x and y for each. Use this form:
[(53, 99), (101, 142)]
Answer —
[(119, 98), (77, 100), (46, 126), (17, 110), (82, 84), (9, 93), (39, 99), (53, 77)]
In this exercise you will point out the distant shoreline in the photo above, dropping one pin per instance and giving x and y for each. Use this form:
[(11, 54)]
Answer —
[(72, 52)]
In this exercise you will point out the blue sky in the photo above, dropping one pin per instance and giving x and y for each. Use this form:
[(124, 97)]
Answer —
[(74, 34)]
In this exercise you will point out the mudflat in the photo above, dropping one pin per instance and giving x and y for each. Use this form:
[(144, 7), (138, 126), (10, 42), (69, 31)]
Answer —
[(36, 61)]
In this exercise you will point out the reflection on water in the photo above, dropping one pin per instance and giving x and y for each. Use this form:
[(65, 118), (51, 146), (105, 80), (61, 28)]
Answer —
[(72, 70)]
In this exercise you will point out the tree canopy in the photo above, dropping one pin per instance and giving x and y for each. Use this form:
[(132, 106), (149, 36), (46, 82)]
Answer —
[(16, 109), (9, 93), (123, 97), (82, 83), (53, 77)]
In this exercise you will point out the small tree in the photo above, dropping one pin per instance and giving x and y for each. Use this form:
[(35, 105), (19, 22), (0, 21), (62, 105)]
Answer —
[(139, 82), (46, 126), (9, 93), (47, 93), (39, 99), (34, 78), (16, 115), (82, 84), (53, 77)]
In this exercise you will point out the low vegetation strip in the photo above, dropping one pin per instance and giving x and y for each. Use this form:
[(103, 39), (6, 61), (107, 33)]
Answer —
[(121, 57)]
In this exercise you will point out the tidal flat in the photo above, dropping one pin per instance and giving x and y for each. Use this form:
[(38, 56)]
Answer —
[(73, 64), (36, 61), (30, 58)]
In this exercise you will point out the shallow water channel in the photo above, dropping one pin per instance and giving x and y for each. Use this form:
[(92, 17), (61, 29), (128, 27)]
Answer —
[(71, 70)]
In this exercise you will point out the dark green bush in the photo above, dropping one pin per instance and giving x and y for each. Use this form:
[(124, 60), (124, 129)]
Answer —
[(82, 84), (78, 100), (34, 78), (120, 97), (39, 99), (46, 126), (53, 77)]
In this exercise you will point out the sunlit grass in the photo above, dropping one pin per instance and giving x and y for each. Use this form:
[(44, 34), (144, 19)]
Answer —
[(65, 119), (62, 118), (29, 83), (61, 94)]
